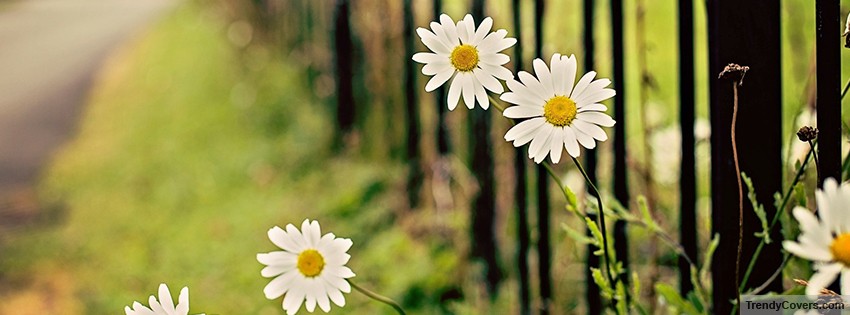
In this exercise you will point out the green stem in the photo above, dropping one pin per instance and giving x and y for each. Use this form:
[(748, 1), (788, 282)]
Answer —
[(378, 297), (779, 211), (601, 218)]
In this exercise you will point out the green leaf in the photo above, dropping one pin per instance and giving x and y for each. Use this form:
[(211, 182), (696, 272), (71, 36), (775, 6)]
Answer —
[(706, 263), (577, 236), (758, 209), (594, 230), (674, 299), (602, 283), (647, 216), (800, 194), (572, 201)]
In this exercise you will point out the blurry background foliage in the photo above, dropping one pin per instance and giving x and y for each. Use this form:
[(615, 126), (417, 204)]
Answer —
[(219, 122)]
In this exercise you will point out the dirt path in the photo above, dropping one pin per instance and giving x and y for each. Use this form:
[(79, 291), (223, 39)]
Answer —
[(49, 52)]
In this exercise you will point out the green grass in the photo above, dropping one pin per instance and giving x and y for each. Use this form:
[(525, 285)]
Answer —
[(189, 151)]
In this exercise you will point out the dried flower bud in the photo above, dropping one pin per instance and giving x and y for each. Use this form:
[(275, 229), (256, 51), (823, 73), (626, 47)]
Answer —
[(807, 133), (734, 72)]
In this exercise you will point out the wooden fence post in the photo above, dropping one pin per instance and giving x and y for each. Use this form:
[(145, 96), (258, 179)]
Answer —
[(521, 193), (544, 254), (343, 46), (621, 188), (414, 176), (747, 33), (687, 176), (591, 291)]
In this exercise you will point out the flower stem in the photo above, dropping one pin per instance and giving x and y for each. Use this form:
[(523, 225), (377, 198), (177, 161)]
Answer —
[(779, 211), (740, 190), (601, 218), (377, 297), (815, 154)]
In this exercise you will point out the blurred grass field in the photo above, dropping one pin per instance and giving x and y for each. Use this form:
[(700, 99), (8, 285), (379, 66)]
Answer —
[(193, 146)]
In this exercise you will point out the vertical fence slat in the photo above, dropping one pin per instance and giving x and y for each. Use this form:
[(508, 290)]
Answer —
[(543, 242), (828, 88), (687, 176), (521, 193), (747, 33), (591, 293), (443, 144), (414, 176), (484, 204), (828, 25), (344, 70), (621, 188)]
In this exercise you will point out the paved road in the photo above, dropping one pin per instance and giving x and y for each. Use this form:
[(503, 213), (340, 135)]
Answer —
[(49, 52)]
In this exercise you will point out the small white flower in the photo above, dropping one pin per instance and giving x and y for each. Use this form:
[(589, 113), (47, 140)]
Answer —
[(560, 114), (165, 305), (826, 241), (310, 269), (469, 55)]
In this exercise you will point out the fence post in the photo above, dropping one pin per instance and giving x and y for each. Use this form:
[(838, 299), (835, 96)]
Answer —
[(621, 188), (521, 193), (747, 33), (414, 176), (591, 291), (345, 107), (687, 178), (543, 242), (484, 204), (828, 25)]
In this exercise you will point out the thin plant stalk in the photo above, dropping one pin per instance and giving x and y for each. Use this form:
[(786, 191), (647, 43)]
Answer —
[(601, 218), (740, 190), (377, 297), (775, 219)]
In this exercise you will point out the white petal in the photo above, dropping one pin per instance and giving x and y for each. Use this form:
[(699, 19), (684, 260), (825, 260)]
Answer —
[(468, 89), (544, 76), (570, 143), (811, 253), (449, 43), (539, 141), (450, 29), (310, 296), (532, 84), (165, 298), (293, 300), (468, 29), (335, 295), (543, 152), (277, 258), (426, 57), (523, 112), (323, 301), (825, 275), (437, 68), (454, 92), (597, 118), (155, 306), (496, 42), (281, 239), (569, 74), (439, 79), (583, 139), (593, 107), (590, 129), (595, 97), (296, 237), (497, 71), (582, 84), (556, 146), (482, 31), (462, 33), (524, 127), (433, 42), (559, 75), (488, 81), (480, 94), (494, 59), (278, 286), (183, 304), (811, 228)]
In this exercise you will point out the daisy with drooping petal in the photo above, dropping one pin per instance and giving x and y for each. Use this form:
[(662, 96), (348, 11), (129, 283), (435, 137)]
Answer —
[(560, 114), (469, 55), (826, 241), (310, 269), (165, 305)]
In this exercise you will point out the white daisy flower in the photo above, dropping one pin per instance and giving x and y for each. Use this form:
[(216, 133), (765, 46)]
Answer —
[(470, 55), (562, 115), (310, 268), (826, 241), (165, 305)]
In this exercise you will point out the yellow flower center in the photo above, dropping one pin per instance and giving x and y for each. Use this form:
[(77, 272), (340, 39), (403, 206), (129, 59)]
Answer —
[(560, 111), (840, 248), (310, 263), (464, 57)]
